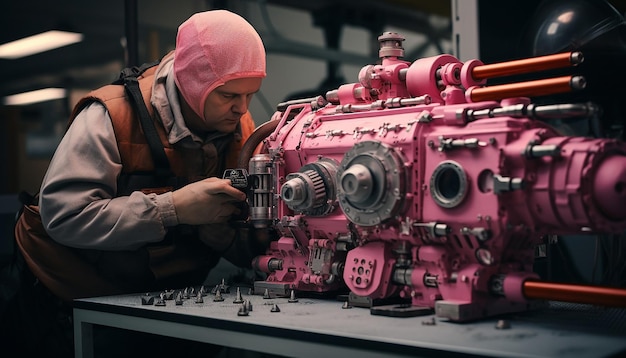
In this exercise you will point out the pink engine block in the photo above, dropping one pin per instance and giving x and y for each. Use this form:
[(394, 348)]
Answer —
[(422, 183)]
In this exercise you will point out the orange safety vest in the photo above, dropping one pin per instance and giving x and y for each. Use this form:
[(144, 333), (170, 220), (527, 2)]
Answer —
[(178, 261), (131, 141)]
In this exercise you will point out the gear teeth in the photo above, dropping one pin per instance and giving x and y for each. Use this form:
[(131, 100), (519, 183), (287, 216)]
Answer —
[(318, 189)]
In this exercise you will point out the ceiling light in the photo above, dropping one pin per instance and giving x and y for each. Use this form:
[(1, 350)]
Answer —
[(38, 43), (41, 95)]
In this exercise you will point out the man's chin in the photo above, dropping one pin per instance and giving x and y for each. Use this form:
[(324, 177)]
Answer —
[(228, 127)]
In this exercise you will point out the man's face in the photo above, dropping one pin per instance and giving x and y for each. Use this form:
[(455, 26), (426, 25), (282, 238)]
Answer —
[(227, 103)]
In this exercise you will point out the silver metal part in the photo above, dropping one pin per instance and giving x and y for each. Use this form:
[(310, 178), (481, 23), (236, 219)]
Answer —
[(261, 199), (390, 45), (533, 111), (538, 151), (402, 276), (481, 233), (359, 132), (319, 257), (485, 257), (358, 183), (430, 280), (397, 102), (337, 268), (371, 183), (434, 228), (448, 184), (503, 184), (273, 289), (315, 102), (275, 265), (345, 242), (454, 310), (349, 108), (567, 110), (576, 58), (503, 324), (311, 190), (578, 83), (449, 143), (302, 190)]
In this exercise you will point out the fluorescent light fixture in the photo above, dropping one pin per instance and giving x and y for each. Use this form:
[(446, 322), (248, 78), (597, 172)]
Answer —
[(38, 43), (41, 95)]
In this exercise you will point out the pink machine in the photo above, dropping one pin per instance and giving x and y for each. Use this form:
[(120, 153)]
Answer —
[(420, 183)]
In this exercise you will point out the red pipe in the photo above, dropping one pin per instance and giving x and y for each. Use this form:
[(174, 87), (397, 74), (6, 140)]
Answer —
[(524, 89), (604, 296), (527, 65)]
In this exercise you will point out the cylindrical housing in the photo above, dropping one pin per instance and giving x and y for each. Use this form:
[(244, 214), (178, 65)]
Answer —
[(261, 199)]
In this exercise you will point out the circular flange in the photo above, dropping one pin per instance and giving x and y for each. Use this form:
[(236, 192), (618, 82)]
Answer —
[(448, 184), (371, 183)]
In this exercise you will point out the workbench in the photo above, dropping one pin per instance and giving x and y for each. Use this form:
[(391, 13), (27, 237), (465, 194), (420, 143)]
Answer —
[(321, 327)]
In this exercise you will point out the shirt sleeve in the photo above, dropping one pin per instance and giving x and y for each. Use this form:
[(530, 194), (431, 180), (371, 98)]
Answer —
[(78, 202)]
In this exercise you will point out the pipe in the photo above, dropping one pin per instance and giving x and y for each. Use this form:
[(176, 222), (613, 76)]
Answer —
[(604, 296), (262, 132), (535, 88), (527, 65)]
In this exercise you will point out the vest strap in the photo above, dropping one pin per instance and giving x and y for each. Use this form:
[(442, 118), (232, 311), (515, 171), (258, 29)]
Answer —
[(131, 85)]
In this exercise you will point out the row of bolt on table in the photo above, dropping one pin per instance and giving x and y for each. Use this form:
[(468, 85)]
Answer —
[(193, 295)]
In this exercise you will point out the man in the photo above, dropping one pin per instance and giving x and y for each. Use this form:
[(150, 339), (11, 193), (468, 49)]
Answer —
[(112, 222)]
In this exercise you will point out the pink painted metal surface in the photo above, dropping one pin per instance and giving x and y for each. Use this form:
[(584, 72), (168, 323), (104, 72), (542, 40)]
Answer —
[(399, 186)]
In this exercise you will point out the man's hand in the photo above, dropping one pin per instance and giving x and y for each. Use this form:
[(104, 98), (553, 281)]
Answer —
[(207, 201)]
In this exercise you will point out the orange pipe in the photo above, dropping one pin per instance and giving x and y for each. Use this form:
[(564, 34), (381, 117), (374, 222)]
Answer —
[(526, 65), (604, 296), (522, 89)]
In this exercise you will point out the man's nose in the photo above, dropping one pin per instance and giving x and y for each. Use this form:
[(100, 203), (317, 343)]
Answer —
[(240, 105)]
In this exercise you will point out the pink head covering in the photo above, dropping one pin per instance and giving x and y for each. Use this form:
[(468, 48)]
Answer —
[(214, 47)]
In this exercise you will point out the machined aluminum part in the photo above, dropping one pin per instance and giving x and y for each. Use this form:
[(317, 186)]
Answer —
[(371, 183), (312, 189), (261, 199)]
